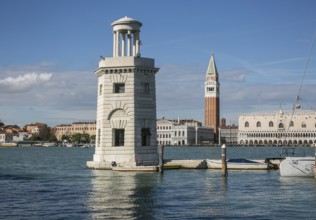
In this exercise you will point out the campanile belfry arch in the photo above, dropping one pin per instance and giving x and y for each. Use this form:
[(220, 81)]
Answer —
[(126, 103)]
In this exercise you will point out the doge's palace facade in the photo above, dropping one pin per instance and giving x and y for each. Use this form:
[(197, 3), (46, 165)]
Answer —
[(278, 128)]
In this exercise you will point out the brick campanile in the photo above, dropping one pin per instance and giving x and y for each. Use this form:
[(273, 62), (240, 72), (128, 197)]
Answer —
[(212, 110)]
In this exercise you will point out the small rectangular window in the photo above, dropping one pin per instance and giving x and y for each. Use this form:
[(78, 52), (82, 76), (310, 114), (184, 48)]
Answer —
[(100, 90), (119, 88), (118, 137), (146, 137), (99, 137), (145, 88)]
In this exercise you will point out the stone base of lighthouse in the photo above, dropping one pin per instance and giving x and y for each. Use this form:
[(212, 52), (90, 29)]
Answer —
[(147, 160)]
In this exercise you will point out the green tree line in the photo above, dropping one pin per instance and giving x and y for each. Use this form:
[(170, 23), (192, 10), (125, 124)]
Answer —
[(79, 138), (48, 135)]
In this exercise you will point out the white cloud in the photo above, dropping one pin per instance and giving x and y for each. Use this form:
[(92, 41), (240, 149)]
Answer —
[(45, 94), (235, 75), (67, 96), (23, 83)]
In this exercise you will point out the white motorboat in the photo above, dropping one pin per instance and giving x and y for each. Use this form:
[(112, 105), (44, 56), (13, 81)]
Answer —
[(49, 144), (237, 164), (297, 166), (69, 145)]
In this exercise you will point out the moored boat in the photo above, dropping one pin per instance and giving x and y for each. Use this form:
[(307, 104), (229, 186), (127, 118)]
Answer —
[(69, 145), (49, 144), (8, 144), (297, 166), (237, 164)]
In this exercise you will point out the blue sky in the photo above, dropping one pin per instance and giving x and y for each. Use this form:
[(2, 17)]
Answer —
[(50, 49)]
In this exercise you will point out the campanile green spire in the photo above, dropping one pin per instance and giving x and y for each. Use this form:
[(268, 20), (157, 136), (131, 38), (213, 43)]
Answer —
[(212, 69)]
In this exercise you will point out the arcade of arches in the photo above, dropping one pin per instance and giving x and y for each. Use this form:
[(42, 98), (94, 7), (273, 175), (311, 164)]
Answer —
[(277, 128), (277, 138)]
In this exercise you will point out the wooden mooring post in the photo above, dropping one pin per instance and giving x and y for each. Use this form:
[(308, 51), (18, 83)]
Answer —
[(315, 165), (224, 162), (161, 149)]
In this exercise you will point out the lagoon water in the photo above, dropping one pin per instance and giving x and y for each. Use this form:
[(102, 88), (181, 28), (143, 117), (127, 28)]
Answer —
[(53, 183)]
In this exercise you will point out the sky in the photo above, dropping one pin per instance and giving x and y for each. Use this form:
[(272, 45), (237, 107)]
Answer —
[(49, 51)]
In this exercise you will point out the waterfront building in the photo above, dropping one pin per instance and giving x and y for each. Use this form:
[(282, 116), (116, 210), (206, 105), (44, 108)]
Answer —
[(277, 128), (88, 127), (17, 133), (35, 128), (5, 137), (20, 136), (183, 132), (189, 122), (228, 133), (165, 131), (212, 97), (126, 103), (12, 129)]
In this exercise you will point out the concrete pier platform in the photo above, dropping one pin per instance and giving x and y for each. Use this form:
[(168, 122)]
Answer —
[(136, 169), (168, 164), (185, 164), (107, 166)]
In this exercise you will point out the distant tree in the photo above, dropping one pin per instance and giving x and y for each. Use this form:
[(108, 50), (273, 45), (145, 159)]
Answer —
[(65, 138), (92, 138), (76, 138), (52, 138), (44, 133), (85, 138), (35, 137)]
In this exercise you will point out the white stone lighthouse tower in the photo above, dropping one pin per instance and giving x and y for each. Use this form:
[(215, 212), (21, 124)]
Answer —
[(126, 103)]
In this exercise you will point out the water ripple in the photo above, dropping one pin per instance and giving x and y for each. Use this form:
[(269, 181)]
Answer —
[(52, 183)]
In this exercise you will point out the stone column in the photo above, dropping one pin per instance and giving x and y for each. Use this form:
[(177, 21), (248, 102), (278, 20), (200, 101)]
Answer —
[(134, 44), (129, 44), (137, 51), (123, 45), (117, 42), (114, 44)]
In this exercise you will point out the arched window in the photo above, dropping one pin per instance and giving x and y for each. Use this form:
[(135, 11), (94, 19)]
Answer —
[(270, 124), (292, 124), (246, 124), (281, 125), (258, 124), (303, 124)]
